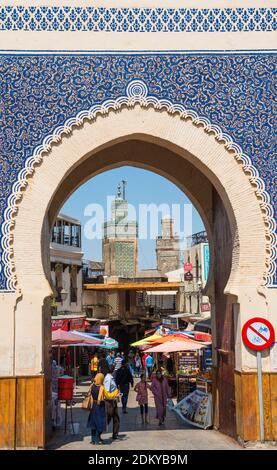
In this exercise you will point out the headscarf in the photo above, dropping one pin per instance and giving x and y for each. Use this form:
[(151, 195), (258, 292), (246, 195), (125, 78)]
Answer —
[(159, 371), (98, 380)]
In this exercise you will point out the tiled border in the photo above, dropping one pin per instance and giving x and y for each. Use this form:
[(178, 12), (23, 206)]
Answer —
[(118, 20)]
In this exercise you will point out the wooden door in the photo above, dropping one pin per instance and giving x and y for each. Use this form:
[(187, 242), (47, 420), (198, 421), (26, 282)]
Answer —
[(224, 320), (225, 371)]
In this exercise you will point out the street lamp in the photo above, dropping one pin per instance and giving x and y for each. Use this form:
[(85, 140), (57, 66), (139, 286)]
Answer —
[(63, 294)]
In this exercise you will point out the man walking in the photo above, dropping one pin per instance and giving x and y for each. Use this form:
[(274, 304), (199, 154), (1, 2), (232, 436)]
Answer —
[(149, 365), (111, 405), (123, 380), (94, 365), (117, 364)]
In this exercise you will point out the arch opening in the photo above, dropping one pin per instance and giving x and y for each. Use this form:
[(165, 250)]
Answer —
[(194, 161)]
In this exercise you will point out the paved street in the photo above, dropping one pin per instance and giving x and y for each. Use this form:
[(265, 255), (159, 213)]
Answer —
[(135, 436)]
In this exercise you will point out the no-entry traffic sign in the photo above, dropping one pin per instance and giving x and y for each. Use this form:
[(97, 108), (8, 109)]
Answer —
[(258, 334)]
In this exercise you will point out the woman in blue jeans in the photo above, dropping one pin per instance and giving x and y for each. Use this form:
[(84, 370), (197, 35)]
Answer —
[(123, 379)]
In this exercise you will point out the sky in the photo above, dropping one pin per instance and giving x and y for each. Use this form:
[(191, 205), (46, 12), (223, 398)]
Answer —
[(143, 187)]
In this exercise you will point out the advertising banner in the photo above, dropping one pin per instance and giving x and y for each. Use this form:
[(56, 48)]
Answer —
[(101, 330), (206, 261), (78, 324), (196, 409), (60, 325)]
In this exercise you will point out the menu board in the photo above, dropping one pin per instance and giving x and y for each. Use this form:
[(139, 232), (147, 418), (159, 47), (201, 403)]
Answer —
[(188, 360)]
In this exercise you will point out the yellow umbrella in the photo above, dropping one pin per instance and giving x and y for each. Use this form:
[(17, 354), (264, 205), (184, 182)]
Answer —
[(146, 340)]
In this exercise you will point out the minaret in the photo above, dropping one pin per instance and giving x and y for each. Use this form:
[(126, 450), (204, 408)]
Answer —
[(167, 247), (120, 238)]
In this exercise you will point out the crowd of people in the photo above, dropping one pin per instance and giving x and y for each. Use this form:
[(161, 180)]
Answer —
[(112, 375)]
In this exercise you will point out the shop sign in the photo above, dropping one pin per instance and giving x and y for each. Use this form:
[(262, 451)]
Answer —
[(104, 330), (60, 325), (78, 324), (206, 261), (170, 322), (205, 307), (188, 276), (101, 330), (188, 266)]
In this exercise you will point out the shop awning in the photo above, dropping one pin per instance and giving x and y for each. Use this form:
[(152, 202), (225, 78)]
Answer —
[(145, 341), (106, 343), (161, 292), (61, 337), (176, 346), (64, 337), (171, 337), (88, 338)]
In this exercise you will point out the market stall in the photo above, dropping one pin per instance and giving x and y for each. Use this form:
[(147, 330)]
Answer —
[(182, 350)]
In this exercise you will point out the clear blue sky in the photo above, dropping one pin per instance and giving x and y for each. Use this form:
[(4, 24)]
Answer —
[(143, 187)]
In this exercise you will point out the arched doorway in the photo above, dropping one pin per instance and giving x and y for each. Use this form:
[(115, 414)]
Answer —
[(216, 183)]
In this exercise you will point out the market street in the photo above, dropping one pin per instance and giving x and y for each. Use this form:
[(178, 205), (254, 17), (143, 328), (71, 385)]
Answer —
[(174, 435)]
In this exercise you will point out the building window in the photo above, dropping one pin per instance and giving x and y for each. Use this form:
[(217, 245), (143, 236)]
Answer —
[(66, 233)]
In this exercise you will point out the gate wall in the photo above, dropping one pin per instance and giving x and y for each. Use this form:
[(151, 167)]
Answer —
[(210, 66)]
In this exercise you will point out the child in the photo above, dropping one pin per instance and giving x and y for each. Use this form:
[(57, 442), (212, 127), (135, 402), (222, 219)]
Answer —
[(142, 397)]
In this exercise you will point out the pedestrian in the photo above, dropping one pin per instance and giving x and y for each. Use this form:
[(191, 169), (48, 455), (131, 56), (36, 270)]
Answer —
[(123, 380), (109, 359), (113, 356), (169, 365), (160, 361), (97, 415), (138, 364), (123, 356), (68, 359), (144, 357), (84, 361), (111, 404), (94, 364), (117, 363), (161, 392), (142, 397), (103, 365), (149, 365), (131, 360)]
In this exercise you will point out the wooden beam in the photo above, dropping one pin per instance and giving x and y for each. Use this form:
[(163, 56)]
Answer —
[(135, 286)]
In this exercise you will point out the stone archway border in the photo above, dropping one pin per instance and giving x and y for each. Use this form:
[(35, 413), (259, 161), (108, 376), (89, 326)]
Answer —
[(136, 93)]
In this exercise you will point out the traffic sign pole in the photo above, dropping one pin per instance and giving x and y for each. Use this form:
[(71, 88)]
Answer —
[(258, 335), (260, 393)]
